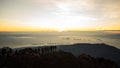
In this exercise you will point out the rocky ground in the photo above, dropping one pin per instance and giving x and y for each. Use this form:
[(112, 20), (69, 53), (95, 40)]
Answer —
[(34, 58)]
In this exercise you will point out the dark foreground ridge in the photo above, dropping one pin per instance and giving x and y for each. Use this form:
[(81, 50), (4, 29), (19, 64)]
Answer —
[(94, 50), (50, 57)]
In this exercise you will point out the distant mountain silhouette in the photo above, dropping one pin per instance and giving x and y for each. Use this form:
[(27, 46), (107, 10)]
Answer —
[(95, 50)]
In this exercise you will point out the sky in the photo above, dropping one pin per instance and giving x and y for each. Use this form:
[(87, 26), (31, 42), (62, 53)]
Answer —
[(59, 15)]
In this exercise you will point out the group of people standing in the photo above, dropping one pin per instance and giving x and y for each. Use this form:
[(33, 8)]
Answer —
[(41, 50), (46, 49)]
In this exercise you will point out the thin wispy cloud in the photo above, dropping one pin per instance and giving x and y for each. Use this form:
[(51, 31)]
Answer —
[(81, 12)]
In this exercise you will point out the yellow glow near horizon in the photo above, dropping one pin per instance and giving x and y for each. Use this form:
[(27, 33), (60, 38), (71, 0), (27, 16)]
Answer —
[(55, 15), (64, 24)]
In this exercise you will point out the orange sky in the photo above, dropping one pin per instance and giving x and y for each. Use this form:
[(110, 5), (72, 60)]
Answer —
[(56, 15)]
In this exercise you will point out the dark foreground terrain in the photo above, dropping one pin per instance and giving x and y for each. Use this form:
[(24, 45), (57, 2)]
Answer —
[(94, 50), (49, 57)]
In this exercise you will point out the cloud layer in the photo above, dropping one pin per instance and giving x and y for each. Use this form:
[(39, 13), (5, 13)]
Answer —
[(94, 11)]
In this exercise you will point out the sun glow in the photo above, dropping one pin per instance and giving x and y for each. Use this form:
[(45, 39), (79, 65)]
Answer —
[(58, 23), (63, 6), (58, 15), (61, 30), (62, 9)]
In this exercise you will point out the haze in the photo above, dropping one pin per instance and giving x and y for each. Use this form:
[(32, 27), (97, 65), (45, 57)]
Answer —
[(59, 15)]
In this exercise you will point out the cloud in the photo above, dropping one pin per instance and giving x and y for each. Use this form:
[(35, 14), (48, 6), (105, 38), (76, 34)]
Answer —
[(101, 10)]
